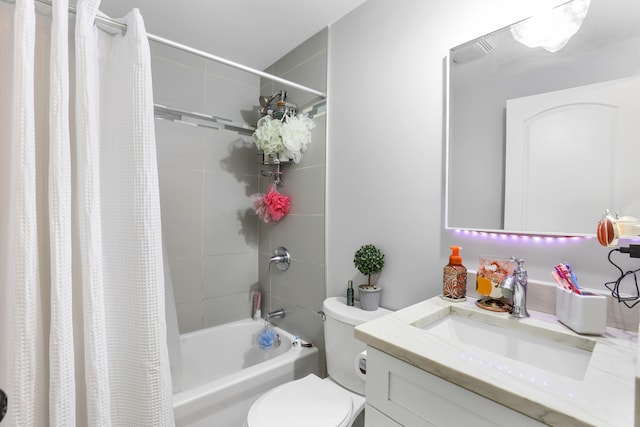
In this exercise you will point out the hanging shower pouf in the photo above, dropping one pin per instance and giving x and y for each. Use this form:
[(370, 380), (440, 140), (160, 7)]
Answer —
[(287, 139), (272, 206)]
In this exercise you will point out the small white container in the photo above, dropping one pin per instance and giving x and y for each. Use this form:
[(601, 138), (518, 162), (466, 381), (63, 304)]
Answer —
[(585, 314)]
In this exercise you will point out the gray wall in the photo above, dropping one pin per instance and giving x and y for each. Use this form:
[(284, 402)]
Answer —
[(385, 162), (301, 289), (206, 179)]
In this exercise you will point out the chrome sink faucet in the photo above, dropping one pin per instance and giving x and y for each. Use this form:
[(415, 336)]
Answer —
[(516, 286)]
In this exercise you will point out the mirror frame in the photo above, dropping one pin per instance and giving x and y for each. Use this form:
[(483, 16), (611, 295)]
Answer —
[(448, 158)]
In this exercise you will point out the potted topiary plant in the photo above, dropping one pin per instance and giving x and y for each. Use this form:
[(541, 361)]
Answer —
[(369, 261)]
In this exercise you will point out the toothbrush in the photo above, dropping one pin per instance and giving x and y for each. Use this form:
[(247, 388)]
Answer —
[(574, 279), (560, 282), (562, 271), (558, 273), (569, 277)]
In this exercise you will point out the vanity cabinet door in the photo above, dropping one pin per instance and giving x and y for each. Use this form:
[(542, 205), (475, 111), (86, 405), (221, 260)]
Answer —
[(412, 397), (375, 418)]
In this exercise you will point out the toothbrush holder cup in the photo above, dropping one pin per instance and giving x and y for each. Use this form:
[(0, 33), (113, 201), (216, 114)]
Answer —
[(584, 314)]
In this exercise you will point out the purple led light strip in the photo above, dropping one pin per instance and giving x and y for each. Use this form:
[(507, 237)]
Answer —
[(520, 237)]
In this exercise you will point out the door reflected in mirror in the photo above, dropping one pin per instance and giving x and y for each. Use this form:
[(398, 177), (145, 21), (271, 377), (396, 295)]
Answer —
[(542, 142)]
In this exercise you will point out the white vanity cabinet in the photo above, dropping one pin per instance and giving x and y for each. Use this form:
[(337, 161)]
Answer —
[(399, 394), (428, 365)]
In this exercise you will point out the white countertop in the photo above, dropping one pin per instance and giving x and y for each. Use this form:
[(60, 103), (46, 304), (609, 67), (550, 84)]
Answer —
[(604, 397)]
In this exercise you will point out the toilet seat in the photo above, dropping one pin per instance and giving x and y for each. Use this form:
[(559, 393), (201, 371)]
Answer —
[(309, 401)]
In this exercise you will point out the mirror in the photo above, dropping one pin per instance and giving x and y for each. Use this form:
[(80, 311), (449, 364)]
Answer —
[(535, 144)]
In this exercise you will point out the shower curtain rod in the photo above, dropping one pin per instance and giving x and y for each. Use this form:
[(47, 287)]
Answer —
[(123, 27), (233, 64)]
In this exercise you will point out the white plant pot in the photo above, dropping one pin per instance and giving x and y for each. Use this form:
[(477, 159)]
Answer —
[(369, 297)]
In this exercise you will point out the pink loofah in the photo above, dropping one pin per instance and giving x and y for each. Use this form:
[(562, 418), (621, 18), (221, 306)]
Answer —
[(272, 206), (278, 205), (261, 208)]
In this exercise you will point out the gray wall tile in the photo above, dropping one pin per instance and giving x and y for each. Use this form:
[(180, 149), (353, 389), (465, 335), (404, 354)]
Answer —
[(206, 180), (179, 146), (189, 316), (182, 234), (304, 237), (229, 99), (225, 72), (186, 276), (236, 191), (306, 187), (176, 85), (227, 234), (301, 289), (229, 274), (225, 309), (185, 59), (180, 190), (316, 44)]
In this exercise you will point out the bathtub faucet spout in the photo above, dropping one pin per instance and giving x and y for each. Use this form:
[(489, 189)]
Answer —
[(276, 314)]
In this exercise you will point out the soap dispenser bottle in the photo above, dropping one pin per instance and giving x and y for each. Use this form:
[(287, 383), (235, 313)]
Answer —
[(454, 281)]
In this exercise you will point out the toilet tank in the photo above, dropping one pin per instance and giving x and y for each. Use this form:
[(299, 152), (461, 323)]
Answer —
[(341, 348)]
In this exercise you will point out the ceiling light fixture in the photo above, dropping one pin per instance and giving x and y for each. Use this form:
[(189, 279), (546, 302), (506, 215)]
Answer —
[(552, 29)]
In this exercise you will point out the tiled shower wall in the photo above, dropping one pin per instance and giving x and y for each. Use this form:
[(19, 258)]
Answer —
[(301, 289), (206, 178)]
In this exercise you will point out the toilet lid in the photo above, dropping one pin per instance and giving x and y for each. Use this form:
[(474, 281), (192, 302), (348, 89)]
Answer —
[(308, 402)]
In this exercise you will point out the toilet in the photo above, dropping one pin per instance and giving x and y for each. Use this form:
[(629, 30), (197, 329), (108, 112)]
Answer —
[(334, 401)]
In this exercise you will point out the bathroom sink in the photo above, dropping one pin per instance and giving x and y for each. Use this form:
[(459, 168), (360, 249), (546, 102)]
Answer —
[(495, 340)]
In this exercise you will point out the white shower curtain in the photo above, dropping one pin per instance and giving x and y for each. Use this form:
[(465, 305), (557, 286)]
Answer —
[(82, 323)]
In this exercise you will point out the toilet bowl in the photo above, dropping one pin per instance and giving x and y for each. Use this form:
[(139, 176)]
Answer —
[(311, 401)]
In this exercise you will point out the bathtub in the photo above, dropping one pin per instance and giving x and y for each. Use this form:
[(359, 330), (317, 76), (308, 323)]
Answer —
[(224, 371)]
